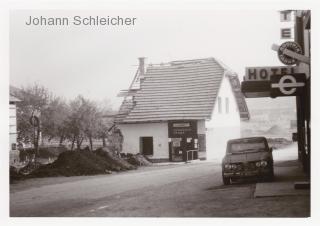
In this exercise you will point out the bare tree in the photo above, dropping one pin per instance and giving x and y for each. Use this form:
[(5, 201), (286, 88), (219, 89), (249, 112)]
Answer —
[(106, 120), (75, 121), (33, 99), (91, 121), (54, 118), (75, 125)]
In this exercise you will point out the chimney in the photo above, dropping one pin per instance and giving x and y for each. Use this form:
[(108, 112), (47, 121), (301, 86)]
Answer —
[(141, 65)]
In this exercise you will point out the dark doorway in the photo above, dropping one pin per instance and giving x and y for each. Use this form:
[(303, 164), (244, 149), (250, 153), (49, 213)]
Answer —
[(146, 145)]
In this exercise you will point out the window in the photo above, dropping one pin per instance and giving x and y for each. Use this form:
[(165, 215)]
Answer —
[(146, 145), (227, 105), (219, 105), (13, 146), (240, 147)]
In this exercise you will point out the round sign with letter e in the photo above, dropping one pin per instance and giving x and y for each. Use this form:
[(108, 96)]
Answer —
[(293, 46)]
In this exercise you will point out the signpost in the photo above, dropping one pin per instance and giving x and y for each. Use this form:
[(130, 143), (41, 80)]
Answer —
[(285, 15), (264, 73), (284, 58), (286, 33), (288, 80), (292, 54), (182, 128), (287, 85)]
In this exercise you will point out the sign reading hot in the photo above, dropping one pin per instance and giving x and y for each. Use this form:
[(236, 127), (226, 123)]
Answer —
[(287, 85), (264, 73)]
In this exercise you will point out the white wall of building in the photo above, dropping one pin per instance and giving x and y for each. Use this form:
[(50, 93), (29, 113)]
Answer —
[(224, 123), (12, 124), (14, 154), (201, 127), (132, 133)]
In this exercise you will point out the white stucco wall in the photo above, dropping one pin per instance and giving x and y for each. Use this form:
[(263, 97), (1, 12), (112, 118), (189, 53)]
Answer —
[(132, 133), (223, 125), (202, 154), (12, 124), (14, 154), (201, 127)]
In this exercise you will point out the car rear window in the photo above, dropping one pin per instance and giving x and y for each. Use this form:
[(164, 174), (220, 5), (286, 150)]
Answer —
[(247, 146)]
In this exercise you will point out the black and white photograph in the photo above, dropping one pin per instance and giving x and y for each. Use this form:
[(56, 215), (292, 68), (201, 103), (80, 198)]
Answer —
[(132, 110)]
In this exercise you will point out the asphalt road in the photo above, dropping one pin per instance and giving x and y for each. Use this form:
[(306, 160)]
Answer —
[(186, 190)]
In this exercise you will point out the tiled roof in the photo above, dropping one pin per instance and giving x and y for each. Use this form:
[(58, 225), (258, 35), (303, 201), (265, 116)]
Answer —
[(177, 90), (125, 108), (13, 94), (13, 99)]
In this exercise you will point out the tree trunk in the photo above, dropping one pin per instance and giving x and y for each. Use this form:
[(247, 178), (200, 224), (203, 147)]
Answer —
[(79, 142), (36, 141), (104, 141), (90, 141), (73, 140), (61, 139)]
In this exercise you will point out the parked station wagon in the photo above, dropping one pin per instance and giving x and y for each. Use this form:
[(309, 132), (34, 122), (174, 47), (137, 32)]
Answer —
[(247, 157)]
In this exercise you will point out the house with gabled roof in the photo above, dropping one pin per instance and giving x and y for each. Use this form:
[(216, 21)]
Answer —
[(181, 110)]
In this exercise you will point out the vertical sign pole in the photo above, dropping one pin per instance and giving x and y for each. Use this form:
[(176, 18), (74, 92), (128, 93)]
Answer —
[(298, 103), (302, 106)]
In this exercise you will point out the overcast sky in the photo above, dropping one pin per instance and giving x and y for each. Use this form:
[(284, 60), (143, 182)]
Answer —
[(98, 62)]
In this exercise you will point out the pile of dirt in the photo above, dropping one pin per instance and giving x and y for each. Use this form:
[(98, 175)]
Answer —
[(83, 162), (44, 152), (116, 163), (14, 174), (72, 163), (30, 167), (138, 160), (54, 150)]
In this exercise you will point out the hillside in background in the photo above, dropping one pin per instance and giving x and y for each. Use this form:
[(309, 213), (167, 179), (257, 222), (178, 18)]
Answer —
[(271, 103), (274, 118)]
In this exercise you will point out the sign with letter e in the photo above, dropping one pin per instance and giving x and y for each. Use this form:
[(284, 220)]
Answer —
[(287, 85)]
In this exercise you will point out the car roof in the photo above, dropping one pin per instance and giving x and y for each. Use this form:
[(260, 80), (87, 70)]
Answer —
[(246, 139)]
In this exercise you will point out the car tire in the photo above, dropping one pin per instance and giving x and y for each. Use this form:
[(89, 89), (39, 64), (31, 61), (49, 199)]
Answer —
[(270, 176), (226, 180)]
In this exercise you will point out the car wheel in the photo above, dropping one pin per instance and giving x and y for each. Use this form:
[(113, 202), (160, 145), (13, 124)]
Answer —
[(270, 178), (226, 180)]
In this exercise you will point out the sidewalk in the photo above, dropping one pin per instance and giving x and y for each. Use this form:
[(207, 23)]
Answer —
[(196, 161), (286, 174)]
